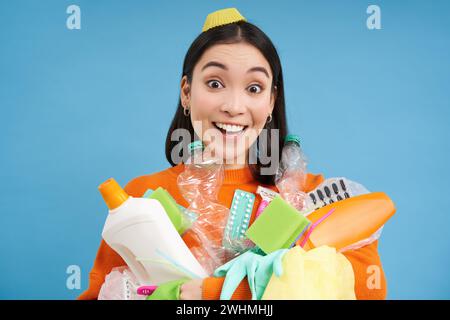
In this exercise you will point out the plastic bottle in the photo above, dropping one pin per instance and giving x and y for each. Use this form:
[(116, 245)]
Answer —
[(140, 231), (350, 223), (291, 174), (199, 184)]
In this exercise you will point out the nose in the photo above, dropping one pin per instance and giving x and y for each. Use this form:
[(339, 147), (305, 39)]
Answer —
[(234, 105)]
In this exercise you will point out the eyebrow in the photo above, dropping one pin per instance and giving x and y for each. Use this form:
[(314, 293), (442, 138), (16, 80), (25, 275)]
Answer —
[(260, 69), (224, 67)]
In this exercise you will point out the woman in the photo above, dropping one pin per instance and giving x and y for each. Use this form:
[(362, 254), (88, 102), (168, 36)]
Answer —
[(231, 89)]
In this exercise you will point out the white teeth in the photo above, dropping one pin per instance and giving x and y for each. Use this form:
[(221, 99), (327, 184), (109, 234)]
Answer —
[(229, 127)]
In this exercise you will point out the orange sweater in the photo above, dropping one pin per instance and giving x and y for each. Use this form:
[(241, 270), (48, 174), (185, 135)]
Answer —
[(107, 258)]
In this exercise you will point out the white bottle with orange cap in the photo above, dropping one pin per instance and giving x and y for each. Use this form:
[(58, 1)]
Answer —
[(140, 231)]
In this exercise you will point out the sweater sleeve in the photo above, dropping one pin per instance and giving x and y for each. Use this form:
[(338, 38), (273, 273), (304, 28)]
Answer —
[(370, 282), (105, 261)]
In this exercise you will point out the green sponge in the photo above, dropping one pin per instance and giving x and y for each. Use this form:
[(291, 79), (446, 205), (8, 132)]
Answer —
[(180, 222), (278, 226)]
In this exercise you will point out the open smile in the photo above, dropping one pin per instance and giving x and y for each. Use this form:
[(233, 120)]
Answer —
[(229, 129)]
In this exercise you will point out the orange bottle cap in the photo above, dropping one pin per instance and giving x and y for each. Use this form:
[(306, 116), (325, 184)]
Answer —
[(112, 193)]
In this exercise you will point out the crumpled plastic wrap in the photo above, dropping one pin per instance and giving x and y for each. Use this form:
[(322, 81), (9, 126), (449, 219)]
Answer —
[(120, 284)]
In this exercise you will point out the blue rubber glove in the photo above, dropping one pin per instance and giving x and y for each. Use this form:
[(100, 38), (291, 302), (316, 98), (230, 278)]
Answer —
[(256, 267)]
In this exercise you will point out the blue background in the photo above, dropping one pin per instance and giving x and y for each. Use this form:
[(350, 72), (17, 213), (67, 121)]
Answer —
[(79, 106)]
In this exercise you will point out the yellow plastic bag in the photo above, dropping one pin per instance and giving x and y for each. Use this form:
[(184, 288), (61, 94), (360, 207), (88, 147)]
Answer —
[(321, 273)]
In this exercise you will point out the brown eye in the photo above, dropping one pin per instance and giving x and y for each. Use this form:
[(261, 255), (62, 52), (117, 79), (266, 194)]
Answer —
[(214, 84), (255, 88)]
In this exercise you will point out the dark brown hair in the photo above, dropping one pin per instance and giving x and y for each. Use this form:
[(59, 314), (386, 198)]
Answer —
[(228, 34)]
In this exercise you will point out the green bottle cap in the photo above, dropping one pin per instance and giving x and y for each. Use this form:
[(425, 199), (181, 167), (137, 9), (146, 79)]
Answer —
[(197, 144), (292, 138)]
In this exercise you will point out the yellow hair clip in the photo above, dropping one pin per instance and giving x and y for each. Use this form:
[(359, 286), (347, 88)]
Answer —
[(222, 17)]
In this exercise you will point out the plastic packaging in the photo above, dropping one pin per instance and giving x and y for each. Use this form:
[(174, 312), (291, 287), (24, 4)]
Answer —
[(356, 188), (120, 284), (353, 220), (291, 174), (199, 184), (140, 231), (332, 190), (336, 189), (239, 221), (267, 195)]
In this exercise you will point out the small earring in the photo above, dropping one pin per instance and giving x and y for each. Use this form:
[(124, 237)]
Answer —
[(270, 118), (188, 111)]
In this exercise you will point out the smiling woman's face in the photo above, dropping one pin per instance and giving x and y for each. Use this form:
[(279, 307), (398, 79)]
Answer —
[(230, 99)]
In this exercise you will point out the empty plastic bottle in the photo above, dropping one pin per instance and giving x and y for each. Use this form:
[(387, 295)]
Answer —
[(291, 174), (199, 184)]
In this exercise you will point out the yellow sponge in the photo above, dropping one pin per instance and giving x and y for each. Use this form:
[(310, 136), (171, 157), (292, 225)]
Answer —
[(222, 17)]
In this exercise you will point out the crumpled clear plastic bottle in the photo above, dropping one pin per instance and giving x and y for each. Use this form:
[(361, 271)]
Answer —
[(199, 184), (290, 178)]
